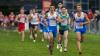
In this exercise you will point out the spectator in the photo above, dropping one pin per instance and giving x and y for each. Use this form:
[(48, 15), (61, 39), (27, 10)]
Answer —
[(12, 19), (97, 17), (1, 19), (5, 22), (91, 25)]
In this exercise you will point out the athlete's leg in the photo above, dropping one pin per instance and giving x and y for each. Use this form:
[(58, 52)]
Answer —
[(30, 30), (35, 30), (82, 35), (22, 35), (65, 40), (82, 38), (78, 34), (50, 38), (60, 37)]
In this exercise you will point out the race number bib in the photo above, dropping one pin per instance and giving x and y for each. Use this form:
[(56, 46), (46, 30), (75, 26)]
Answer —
[(64, 22), (22, 20), (78, 26), (52, 22), (34, 21)]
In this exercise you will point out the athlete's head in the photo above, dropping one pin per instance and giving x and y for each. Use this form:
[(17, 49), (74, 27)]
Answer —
[(22, 11), (52, 8), (12, 13), (60, 5), (43, 12), (34, 10), (30, 11), (0, 12), (78, 7), (6, 17), (64, 10)]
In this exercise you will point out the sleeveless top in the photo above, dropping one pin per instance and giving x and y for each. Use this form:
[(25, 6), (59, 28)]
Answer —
[(22, 18), (34, 19), (65, 18), (79, 20), (1, 18), (52, 19), (11, 17)]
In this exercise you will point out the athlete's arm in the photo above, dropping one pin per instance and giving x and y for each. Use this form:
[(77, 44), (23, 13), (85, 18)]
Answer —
[(29, 17), (2, 16), (17, 18), (72, 20), (26, 19), (38, 17), (87, 19), (58, 19), (46, 15), (69, 20)]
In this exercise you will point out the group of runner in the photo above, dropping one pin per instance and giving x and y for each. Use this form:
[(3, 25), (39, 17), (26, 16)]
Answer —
[(7, 21), (49, 22)]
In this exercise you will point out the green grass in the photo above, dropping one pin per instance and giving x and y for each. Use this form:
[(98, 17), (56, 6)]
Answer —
[(10, 45)]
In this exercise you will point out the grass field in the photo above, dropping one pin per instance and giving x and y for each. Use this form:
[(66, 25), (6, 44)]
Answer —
[(10, 45)]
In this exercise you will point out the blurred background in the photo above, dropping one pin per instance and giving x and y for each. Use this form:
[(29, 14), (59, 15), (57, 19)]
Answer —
[(15, 5)]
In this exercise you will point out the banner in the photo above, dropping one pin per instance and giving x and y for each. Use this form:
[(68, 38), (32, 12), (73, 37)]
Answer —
[(46, 4)]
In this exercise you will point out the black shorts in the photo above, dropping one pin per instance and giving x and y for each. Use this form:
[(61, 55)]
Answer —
[(16, 24), (33, 25), (61, 32), (12, 21), (29, 25), (1, 22)]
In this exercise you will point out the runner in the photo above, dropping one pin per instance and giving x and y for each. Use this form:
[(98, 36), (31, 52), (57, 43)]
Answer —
[(42, 25), (63, 29), (21, 18), (29, 16), (6, 22), (52, 18), (12, 19), (34, 20), (1, 19), (80, 20)]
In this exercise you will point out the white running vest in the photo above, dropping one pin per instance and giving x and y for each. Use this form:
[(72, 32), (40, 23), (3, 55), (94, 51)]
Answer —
[(22, 18), (79, 20), (34, 19), (52, 19)]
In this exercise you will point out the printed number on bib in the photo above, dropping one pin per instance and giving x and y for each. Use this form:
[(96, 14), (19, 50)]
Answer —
[(78, 26), (52, 22), (64, 22)]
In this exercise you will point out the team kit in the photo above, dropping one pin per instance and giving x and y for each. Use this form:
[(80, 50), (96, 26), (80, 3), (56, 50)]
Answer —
[(54, 23)]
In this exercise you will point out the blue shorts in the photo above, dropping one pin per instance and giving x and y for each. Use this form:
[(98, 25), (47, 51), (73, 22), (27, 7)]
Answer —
[(82, 31), (45, 29), (53, 29), (41, 26), (62, 31)]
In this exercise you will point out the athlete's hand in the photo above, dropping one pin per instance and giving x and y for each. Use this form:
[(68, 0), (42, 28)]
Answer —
[(61, 20), (81, 24)]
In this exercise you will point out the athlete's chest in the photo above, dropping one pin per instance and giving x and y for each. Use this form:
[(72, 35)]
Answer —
[(11, 16), (34, 15), (79, 17), (21, 16), (52, 16), (64, 16)]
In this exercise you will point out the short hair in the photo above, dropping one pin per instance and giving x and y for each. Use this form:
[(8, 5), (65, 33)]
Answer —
[(52, 5), (64, 7), (78, 4), (60, 3)]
